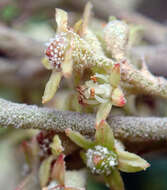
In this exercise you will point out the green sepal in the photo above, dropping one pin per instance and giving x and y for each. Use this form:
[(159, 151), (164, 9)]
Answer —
[(118, 98), (130, 162), (135, 34), (115, 75), (114, 180), (51, 86), (44, 171), (104, 135), (79, 139), (58, 171), (111, 18), (103, 111), (86, 18), (61, 20), (56, 146)]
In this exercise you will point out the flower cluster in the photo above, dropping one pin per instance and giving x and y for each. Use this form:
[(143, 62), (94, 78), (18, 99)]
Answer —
[(77, 50), (106, 156), (94, 66), (73, 50)]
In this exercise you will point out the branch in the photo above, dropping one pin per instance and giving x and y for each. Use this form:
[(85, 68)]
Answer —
[(143, 82), (31, 67), (139, 134), (10, 39)]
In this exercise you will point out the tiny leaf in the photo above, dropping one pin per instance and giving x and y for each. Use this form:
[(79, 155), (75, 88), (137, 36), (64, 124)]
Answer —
[(104, 135), (79, 139), (51, 86), (115, 180), (44, 171), (28, 153), (118, 98), (103, 111), (115, 75), (61, 20), (86, 17), (129, 162), (56, 146), (58, 172), (31, 150)]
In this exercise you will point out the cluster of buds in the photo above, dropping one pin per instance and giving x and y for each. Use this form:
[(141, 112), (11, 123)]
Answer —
[(72, 50), (106, 156), (55, 50), (100, 160)]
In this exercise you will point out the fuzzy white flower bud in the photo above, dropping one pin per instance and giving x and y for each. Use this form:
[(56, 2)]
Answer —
[(100, 160)]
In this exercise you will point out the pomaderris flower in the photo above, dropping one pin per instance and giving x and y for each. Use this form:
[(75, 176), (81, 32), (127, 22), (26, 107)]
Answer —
[(72, 49), (102, 90), (106, 156), (58, 54)]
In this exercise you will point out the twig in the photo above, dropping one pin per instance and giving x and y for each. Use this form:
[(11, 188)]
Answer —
[(139, 134), (143, 82)]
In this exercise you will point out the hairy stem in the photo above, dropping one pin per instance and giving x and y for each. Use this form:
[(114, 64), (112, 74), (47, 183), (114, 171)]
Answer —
[(143, 82), (139, 134)]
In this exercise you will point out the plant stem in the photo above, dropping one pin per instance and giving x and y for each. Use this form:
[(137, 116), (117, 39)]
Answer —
[(138, 134)]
